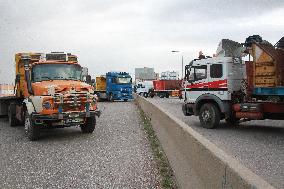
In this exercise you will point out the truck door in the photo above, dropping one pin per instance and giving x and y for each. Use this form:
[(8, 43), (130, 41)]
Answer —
[(198, 83), (217, 81), (109, 81)]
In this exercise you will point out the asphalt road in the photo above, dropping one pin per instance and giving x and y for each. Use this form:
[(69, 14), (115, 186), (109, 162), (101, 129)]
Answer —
[(116, 155), (259, 145)]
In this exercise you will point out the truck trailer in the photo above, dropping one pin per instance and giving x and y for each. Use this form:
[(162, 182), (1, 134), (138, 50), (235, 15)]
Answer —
[(160, 88), (166, 88), (227, 87), (49, 93), (114, 86)]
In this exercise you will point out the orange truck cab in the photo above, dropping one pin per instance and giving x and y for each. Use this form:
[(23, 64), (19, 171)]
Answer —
[(50, 93)]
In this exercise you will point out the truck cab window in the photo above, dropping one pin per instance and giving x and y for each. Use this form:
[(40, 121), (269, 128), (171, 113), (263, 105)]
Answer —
[(43, 72), (123, 80), (198, 73), (216, 71)]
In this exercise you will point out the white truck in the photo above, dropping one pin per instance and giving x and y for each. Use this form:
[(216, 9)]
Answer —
[(144, 87), (226, 87)]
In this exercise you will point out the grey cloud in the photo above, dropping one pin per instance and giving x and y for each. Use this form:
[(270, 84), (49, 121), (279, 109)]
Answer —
[(121, 35), (206, 10)]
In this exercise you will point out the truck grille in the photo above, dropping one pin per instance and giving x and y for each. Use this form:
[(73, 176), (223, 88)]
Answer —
[(72, 100)]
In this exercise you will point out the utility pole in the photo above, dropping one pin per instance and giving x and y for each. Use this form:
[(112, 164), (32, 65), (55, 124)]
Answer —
[(182, 67), (181, 63)]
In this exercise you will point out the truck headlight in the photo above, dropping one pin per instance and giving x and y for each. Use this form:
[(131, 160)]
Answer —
[(46, 105)]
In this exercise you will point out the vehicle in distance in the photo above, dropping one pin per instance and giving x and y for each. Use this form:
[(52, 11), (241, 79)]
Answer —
[(143, 88), (160, 88), (114, 86)]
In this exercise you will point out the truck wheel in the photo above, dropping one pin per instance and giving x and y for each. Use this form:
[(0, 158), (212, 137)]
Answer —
[(209, 116), (167, 95), (89, 125), (162, 96), (145, 95), (111, 97), (125, 100), (98, 96), (11, 115), (32, 131)]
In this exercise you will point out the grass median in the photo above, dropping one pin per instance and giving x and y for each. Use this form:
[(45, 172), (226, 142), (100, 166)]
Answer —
[(168, 179)]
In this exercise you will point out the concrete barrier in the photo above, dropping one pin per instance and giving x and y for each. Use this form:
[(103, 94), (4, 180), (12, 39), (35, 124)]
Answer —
[(197, 162)]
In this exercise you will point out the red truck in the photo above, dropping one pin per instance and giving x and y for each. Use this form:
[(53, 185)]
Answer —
[(166, 88)]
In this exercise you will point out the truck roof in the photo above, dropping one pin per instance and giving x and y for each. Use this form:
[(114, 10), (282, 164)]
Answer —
[(212, 60), (48, 58), (117, 73), (54, 62)]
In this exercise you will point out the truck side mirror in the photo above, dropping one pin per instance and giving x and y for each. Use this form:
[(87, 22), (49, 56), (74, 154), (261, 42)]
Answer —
[(17, 79)]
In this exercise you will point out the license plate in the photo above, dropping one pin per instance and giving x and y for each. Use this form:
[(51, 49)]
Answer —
[(75, 120)]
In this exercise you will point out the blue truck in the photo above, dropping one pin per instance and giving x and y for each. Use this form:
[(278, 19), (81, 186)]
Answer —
[(114, 86)]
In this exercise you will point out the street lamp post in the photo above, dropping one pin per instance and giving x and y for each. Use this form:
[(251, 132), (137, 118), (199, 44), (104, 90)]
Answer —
[(181, 63)]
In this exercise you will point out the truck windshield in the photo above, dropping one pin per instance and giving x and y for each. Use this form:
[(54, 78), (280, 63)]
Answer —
[(123, 80), (43, 72), (197, 73)]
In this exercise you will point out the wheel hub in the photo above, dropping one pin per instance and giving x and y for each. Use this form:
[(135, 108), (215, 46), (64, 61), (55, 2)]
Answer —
[(27, 124), (206, 116)]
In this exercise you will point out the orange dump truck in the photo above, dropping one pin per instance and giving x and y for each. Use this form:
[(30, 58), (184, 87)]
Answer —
[(50, 93)]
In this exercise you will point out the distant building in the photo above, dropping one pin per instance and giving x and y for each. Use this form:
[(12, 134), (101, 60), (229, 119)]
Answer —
[(145, 73), (168, 75)]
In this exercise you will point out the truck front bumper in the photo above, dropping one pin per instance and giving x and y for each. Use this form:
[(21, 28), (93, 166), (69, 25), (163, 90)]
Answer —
[(65, 118), (123, 96)]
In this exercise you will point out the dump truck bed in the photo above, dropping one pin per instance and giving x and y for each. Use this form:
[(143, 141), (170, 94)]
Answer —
[(100, 83), (267, 70)]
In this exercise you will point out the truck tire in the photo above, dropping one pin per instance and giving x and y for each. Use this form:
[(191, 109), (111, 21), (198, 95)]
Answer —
[(98, 96), (125, 100), (145, 95), (12, 115), (31, 130), (209, 116), (89, 125), (111, 97), (167, 95)]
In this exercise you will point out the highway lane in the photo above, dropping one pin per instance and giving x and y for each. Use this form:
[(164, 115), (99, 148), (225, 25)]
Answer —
[(116, 155), (259, 145)]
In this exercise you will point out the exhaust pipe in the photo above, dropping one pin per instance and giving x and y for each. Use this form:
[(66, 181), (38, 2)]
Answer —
[(26, 60)]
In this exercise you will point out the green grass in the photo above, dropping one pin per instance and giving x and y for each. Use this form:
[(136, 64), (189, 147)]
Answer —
[(168, 179)]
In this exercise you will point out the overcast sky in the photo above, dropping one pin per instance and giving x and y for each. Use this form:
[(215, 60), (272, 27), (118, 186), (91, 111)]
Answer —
[(120, 35)]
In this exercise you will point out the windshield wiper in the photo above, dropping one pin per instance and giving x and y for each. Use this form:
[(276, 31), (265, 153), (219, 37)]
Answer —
[(72, 78), (58, 77)]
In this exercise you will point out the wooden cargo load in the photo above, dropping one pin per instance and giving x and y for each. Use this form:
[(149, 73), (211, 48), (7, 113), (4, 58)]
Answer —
[(268, 66), (100, 83)]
